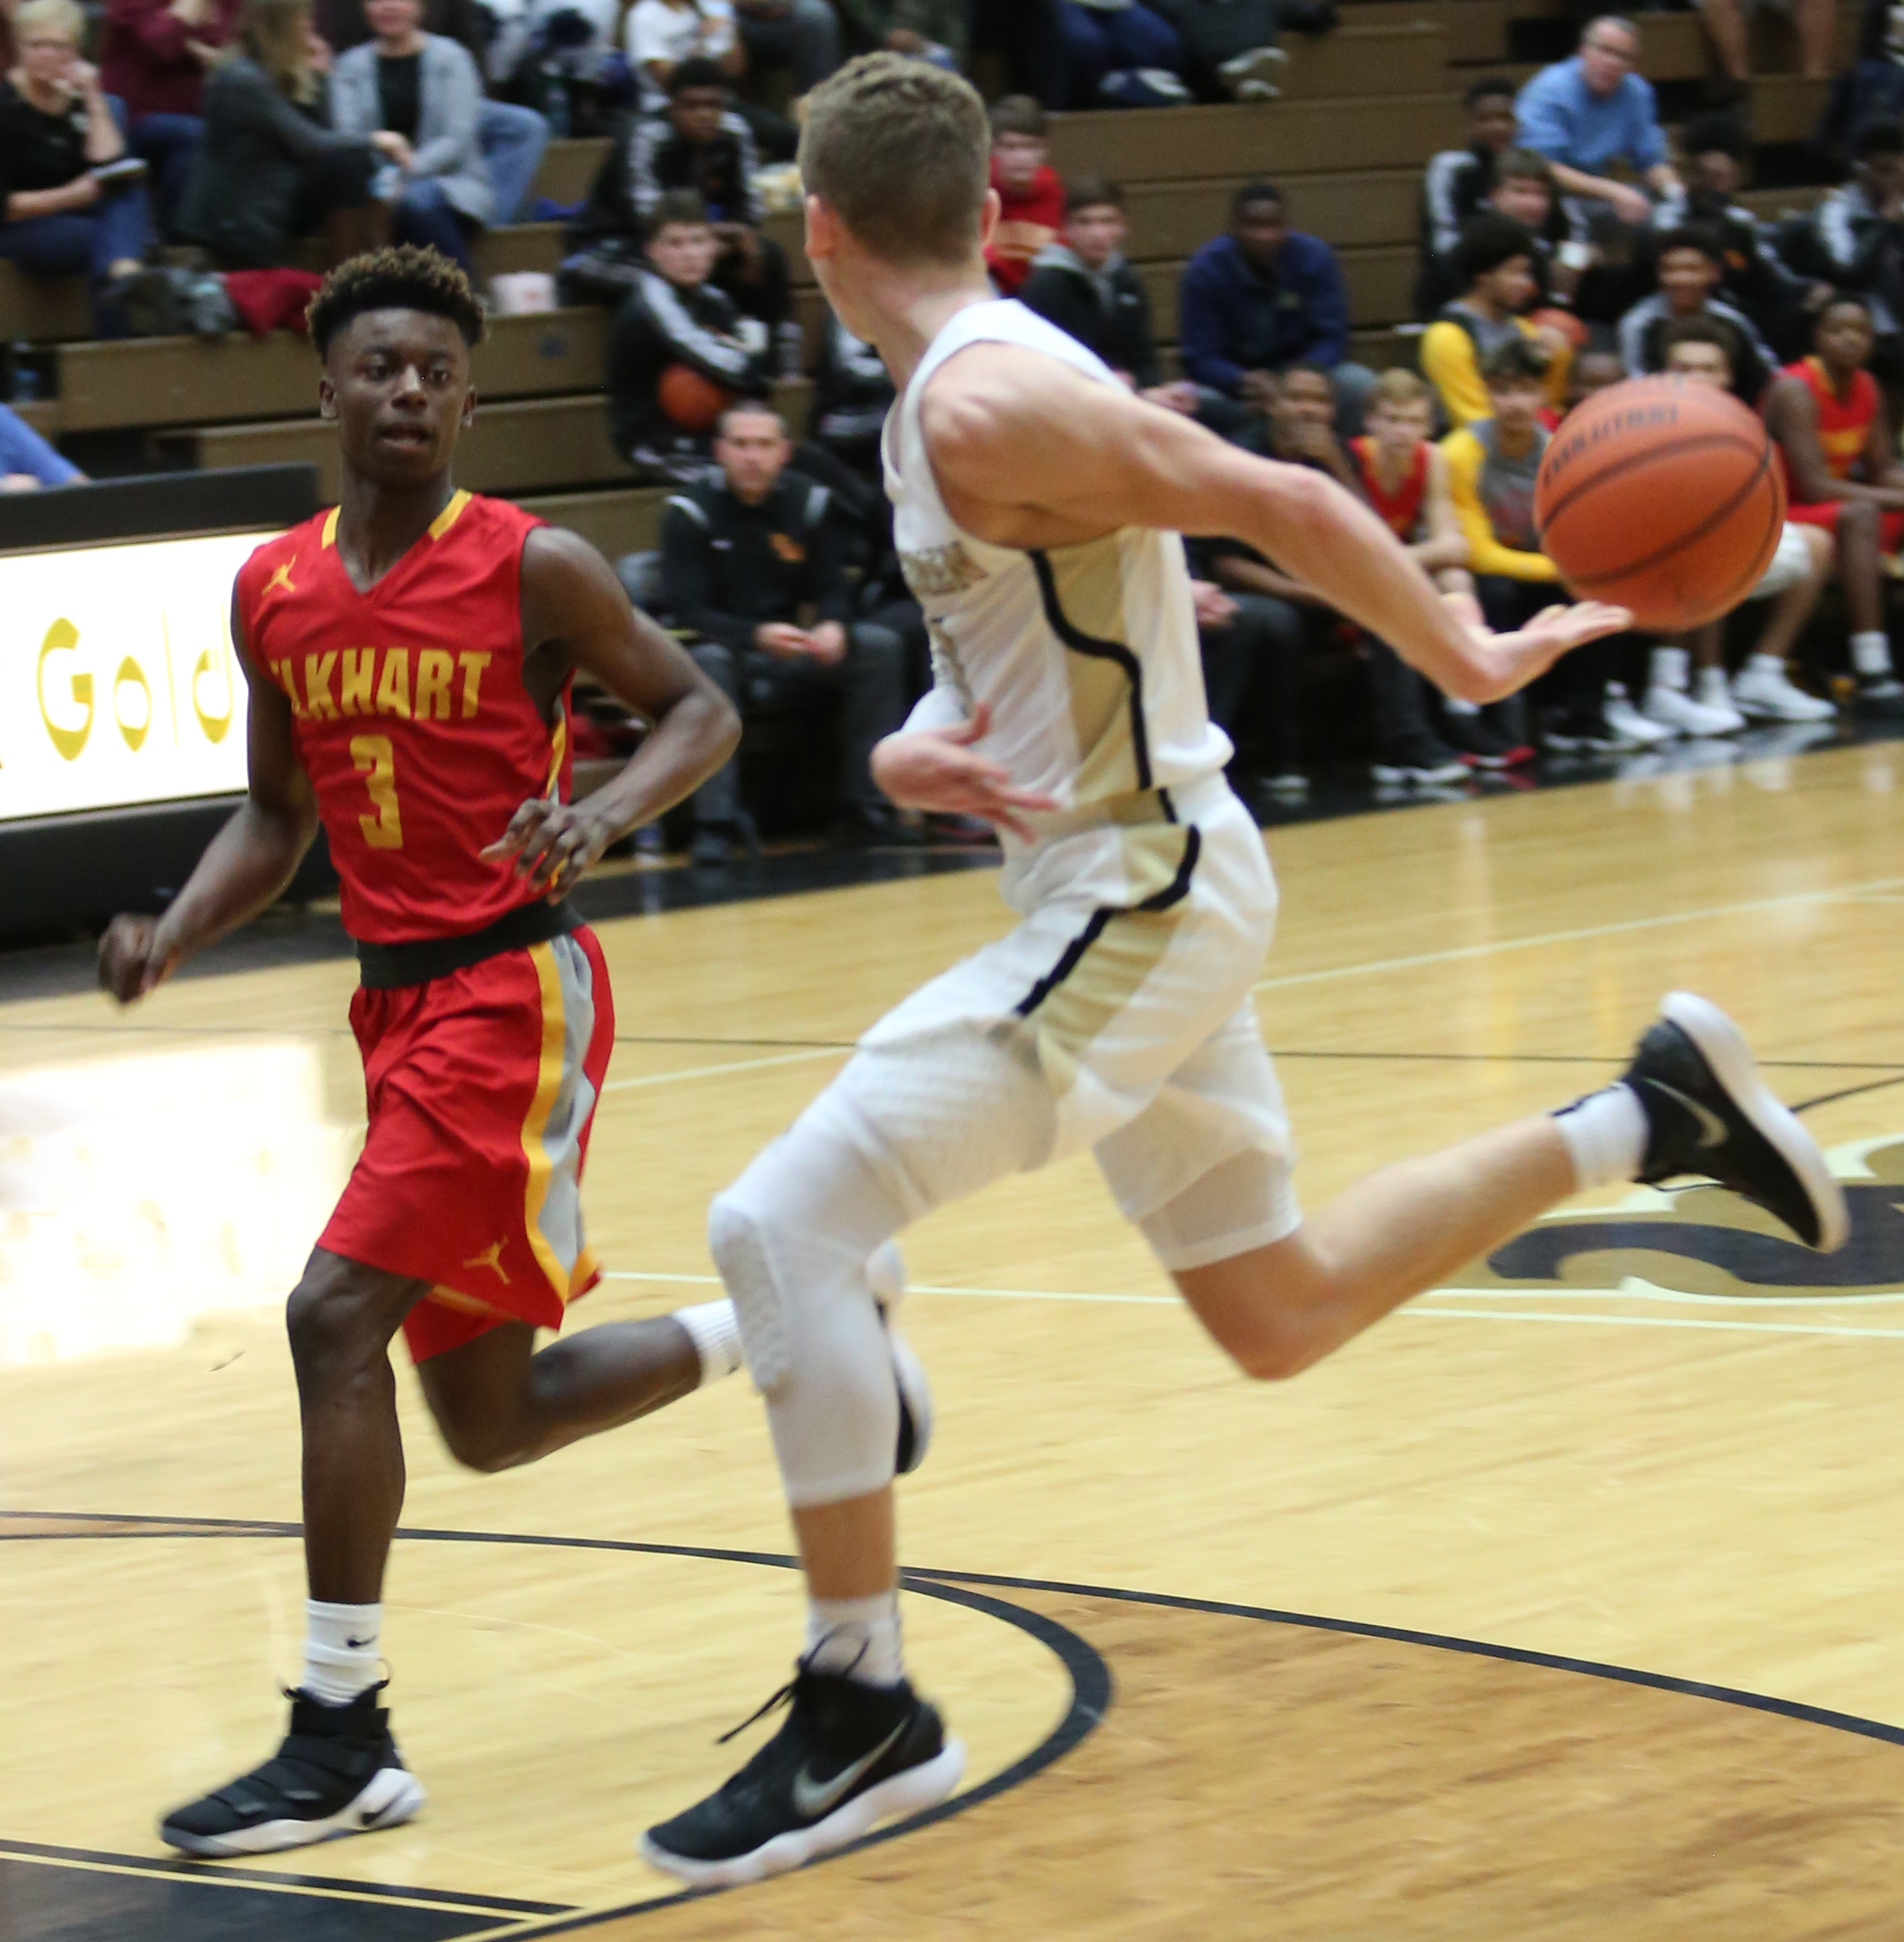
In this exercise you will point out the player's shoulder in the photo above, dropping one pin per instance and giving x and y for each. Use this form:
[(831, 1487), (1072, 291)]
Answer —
[(481, 514), (272, 565)]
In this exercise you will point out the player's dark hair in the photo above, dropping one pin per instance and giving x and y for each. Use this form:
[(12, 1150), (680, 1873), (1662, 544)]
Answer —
[(1516, 360), (1693, 236), (1018, 114), (1716, 135), (697, 71), (683, 206), (1702, 330), (1520, 165), (1092, 192), (403, 278), (1880, 137), (1250, 194), (1487, 242), (1489, 88)]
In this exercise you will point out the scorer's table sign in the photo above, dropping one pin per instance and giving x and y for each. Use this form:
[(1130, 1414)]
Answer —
[(118, 683)]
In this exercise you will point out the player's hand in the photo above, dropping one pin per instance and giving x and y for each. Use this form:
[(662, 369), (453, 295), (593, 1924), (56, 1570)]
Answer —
[(134, 957), (782, 640), (551, 843), (1519, 656), (936, 770)]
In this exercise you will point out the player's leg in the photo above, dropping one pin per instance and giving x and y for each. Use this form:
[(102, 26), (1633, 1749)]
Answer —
[(1858, 531), (338, 1770), (1691, 1102)]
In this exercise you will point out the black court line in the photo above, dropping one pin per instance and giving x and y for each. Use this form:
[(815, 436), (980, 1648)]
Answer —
[(1848, 1092), (1092, 1683)]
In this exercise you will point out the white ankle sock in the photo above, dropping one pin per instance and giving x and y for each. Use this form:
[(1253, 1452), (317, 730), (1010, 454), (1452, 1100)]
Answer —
[(341, 1657), (1606, 1135), (1870, 653), (1669, 668), (857, 1637), (712, 1327)]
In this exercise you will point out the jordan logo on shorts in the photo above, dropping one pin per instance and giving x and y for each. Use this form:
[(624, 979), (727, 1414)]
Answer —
[(491, 1256)]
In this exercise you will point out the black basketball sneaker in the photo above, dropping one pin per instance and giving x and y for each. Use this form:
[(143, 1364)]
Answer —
[(338, 1772), (886, 1273), (1709, 1112), (847, 1757)]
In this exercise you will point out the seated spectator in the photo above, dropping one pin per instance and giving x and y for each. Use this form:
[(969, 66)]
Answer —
[(1257, 301), (701, 146), (936, 30), (1590, 113), (1029, 34), (1404, 477), (751, 565), (1815, 20), (801, 36), (1753, 278), (513, 136), (1521, 187), (1491, 466), (1458, 181), (418, 97), (662, 34), (1594, 369), (269, 171), (27, 461), (1494, 260), (1083, 285), (68, 212), (1873, 89), (1702, 352), (1841, 474), (154, 61), (1858, 229), (1109, 42), (1031, 194), (852, 393), (1252, 648), (672, 316), (1230, 49), (1691, 263)]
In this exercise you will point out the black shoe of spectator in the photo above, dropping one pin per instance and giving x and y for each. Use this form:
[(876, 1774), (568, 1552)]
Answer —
[(866, 827), (1281, 791), (1881, 698), (1581, 734), (971, 832), (715, 844), (1422, 760), (1480, 745)]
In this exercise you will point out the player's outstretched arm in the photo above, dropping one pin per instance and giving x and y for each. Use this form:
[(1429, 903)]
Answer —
[(245, 866), (575, 614), (1029, 452)]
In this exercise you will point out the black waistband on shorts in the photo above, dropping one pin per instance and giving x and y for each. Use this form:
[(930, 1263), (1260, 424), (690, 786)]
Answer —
[(382, 966)]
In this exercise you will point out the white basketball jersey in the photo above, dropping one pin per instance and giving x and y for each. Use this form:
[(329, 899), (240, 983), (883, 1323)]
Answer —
[(1087, 654)]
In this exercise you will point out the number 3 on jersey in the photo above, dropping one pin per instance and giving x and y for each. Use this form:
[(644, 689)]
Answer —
[(376, 763)]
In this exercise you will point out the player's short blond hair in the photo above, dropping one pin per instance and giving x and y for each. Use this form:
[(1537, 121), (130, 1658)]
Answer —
[(44, 19), (1400, 390), (899, 151)]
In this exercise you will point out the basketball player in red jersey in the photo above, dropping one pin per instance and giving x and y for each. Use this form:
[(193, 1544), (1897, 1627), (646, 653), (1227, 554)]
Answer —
[(1827, 414), (409, 655)]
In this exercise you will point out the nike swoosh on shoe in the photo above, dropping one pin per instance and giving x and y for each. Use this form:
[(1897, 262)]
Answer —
[(813, 1798), (1712, 1128)]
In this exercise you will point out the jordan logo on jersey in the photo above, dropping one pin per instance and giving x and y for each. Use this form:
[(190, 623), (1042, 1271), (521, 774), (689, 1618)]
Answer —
[(491, 1256), (281, 578), (941, 570)]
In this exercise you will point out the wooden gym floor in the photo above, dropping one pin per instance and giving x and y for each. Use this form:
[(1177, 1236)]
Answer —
[(1563, 1605)]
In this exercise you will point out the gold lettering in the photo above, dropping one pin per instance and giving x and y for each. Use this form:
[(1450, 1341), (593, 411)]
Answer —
[(393, 690), (375, 761), (472, 666), (286, 672), (132, 675), (435, 670), (62, 637), (317, 686), (353, 681), (214, 725)]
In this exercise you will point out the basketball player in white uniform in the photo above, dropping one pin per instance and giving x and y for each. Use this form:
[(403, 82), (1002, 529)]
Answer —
[(1039, 506)]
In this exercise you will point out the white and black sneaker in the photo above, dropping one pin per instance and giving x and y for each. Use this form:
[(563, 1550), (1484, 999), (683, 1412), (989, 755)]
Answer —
[(1709, 1112), (848, 1756), (338, 1772), (885, 1270)]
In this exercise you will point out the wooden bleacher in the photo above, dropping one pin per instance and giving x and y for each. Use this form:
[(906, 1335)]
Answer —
[(1362, 108)]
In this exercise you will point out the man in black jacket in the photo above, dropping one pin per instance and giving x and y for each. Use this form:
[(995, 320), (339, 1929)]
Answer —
[(751, 563), (673, 315), (700, 148), (1085, 286)]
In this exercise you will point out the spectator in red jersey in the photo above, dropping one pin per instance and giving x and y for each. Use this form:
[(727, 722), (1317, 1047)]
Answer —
[(156, 58), (1031, 193), (1828, 416)]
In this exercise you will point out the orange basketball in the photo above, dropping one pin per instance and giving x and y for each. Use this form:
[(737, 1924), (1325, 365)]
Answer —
[(692, 401), (1662, 495)]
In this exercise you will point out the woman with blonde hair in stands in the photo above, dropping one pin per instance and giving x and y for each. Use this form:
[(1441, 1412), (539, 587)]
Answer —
[(271, 170), (73, 204)]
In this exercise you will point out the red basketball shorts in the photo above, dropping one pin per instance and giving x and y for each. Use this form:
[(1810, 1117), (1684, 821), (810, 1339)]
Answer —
[(482, 1086), (1890, 525)]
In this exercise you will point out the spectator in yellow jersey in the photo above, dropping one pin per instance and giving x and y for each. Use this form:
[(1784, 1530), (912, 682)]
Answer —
[(1495, 260)]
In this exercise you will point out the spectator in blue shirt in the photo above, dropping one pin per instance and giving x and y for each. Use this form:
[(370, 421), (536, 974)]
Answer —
[(1257, 301), (27, 461), (1587, 113)]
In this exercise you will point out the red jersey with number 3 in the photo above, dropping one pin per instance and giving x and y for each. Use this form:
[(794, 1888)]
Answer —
[(410, 713)]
